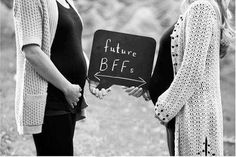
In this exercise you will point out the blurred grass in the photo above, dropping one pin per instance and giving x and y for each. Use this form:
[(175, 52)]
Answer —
[(117, 125)]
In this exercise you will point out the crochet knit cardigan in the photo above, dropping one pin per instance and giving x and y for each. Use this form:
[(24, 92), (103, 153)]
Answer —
[(194, 96), (35, 23)]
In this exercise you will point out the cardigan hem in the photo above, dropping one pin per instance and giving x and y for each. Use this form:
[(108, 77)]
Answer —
[(29, 130)]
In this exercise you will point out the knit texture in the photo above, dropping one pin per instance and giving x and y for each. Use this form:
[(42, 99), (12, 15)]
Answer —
[(32, 26), (194, 96)]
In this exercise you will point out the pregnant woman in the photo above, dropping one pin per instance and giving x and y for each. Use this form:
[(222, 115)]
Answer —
[(51, 73), (191, 106)]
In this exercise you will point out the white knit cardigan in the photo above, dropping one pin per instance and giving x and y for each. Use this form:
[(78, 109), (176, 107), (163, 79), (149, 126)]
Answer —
[(194, 96), (35, 23)]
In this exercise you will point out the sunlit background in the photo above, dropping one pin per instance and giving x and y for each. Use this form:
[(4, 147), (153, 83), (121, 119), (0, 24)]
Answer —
[(118, 124)]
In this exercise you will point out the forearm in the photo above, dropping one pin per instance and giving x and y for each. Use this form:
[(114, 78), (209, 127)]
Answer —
[(45, 67)]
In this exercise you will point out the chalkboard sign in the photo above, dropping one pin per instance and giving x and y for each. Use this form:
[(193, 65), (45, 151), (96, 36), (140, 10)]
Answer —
[(121, 59)]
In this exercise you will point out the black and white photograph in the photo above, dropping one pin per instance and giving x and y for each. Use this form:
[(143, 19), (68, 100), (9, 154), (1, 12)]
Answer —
[(117, 77)]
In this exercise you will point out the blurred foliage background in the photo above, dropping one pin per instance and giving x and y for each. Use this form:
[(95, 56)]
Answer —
[(117, 125)]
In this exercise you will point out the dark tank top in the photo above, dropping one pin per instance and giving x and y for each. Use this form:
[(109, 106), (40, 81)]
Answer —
[(67, 55), (163, 73)]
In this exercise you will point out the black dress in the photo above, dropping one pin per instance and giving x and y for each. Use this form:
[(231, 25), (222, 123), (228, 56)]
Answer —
[(162, 77), (67, 55), (56, 138)]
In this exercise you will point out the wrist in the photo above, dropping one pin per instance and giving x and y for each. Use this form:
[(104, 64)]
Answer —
[(66, 87)]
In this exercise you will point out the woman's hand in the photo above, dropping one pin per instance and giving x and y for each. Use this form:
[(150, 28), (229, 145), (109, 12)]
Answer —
[(134, 91), (73, 94), (137, 92), (95, 91)]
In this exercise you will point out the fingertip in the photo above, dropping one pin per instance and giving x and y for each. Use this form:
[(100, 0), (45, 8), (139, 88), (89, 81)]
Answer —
[(97, 92), (100, 96), (124, 87), (93, 90)]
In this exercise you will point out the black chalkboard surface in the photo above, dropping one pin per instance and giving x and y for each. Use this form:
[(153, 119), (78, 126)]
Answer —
[(121, 59)]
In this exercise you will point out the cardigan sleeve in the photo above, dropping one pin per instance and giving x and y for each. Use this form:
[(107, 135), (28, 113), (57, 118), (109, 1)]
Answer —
[(198, 32), (28, 22)]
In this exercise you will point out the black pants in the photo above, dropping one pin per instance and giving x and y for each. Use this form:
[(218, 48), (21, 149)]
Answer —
[(56, 138), (170, 131)]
